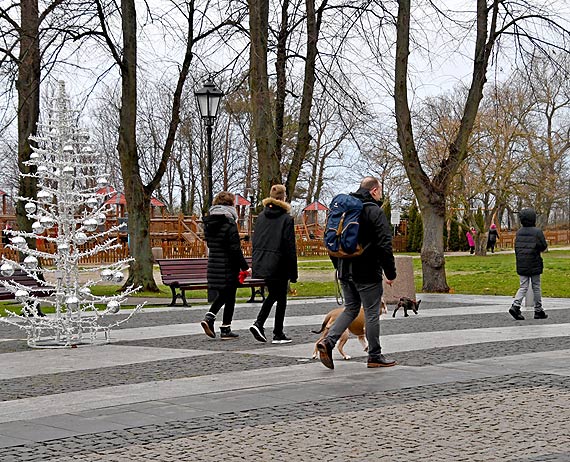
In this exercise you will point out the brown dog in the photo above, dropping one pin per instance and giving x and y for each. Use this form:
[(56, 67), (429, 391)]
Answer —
[(407, 304), (356, 327)]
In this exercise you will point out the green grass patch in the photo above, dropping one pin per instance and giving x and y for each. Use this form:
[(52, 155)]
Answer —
[(495, 274)]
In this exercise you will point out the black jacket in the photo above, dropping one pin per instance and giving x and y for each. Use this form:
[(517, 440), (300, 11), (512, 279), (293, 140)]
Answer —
[(225, 257), (274, 254), (529, 243), (493, 236), (375, 235)]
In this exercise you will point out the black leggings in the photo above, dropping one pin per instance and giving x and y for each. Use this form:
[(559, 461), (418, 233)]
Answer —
[(276, 292), (227, 298)]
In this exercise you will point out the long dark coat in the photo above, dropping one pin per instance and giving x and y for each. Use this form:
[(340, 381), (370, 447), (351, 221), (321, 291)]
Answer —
[(225, 257)]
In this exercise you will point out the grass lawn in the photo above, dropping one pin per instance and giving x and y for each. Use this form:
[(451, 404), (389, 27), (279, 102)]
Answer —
[(493, 274)]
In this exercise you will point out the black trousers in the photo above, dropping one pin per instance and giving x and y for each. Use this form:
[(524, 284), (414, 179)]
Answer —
[(227, 298), (277, 292)]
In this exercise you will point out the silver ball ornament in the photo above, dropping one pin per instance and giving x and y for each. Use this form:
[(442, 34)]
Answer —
[(19, 242), (30, 207), (7, 270), (113, 306), (21, 295), (118, 276), (90, 225), (107, 275), (37, 227), (80, 238), (92, 202), (72, 302), (30, 262)]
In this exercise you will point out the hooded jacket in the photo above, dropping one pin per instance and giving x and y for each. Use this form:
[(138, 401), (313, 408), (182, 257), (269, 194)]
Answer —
[(225, 257), (529, 244), (274, 254), (375, 236)]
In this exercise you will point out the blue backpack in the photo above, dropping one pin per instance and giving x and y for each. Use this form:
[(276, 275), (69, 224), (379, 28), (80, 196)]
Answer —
[(341, 232)]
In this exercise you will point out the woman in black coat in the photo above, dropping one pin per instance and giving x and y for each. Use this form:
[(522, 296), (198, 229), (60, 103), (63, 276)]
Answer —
[(225, 260), (274, 260), (492, 239)]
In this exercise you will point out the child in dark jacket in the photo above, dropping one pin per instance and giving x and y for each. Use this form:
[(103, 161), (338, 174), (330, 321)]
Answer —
[(529, 244)]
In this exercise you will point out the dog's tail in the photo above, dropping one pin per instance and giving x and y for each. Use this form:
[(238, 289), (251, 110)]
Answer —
[(323, 325), (321, 329)]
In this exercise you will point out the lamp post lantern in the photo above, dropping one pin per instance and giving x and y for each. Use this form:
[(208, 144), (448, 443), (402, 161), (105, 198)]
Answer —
[(208, 98)]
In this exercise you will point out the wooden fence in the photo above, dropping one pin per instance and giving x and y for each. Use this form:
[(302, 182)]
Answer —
[(173, 246)]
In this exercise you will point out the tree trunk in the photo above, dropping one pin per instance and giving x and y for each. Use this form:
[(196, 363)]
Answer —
[(261, 104), (28, 86), (280, 71), (304, 137), (433, 259), (138, 199), (431, 195)]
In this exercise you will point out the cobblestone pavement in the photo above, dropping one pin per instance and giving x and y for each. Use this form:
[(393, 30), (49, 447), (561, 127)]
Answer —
[(504, 397)]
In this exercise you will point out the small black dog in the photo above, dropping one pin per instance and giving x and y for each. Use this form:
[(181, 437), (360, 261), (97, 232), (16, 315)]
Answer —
[(408, 304)]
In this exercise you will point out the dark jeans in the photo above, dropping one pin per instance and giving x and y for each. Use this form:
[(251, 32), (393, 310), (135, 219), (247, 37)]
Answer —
[(277, 292), (227, 298), (356, 295)]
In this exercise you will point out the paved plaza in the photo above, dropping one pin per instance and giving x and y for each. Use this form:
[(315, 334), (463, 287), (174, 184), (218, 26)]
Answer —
[(472, 384)]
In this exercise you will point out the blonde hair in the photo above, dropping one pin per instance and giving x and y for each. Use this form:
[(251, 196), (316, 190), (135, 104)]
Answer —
[(277, 192)]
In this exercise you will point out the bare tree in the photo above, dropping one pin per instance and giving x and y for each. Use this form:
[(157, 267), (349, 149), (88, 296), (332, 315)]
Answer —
[(493, 20), (137, 193)]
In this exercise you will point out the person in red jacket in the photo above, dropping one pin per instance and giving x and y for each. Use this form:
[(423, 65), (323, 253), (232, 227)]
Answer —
[(361, 277)]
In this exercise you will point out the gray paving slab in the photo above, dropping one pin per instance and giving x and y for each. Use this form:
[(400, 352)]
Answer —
[(34, 362), (77, 424), (468, 405)]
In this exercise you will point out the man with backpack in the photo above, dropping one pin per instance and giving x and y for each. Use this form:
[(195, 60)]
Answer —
[(360, 274)]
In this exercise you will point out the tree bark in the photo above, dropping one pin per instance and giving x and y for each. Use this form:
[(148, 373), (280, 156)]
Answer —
[(28, 86), (136, 195), (261, 104), (304, 138)]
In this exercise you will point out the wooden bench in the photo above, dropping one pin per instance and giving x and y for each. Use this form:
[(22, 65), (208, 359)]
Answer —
[(182, 274), (21, 277)]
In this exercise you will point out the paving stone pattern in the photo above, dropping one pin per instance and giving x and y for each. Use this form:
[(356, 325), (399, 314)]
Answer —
[(522, 417)]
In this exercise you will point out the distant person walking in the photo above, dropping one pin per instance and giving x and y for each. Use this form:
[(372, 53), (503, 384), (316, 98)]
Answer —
[(471, 239), (529, 244), (225, 260), (274, 260), (361, 277), (492, 238)]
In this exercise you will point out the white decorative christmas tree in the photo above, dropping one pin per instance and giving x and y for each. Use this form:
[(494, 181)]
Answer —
[(69, 227)]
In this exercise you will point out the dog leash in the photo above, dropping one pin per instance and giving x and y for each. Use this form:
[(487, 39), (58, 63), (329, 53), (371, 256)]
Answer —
[(338, 291)]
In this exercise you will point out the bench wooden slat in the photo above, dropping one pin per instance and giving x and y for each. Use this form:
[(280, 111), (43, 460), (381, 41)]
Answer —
[(21, 277), (184, 274)]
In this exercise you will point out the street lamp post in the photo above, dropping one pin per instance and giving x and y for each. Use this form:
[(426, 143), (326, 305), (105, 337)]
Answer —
[(208, 98)]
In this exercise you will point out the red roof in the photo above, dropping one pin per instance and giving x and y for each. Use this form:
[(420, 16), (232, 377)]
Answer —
[(315, 206), (120, 200), (2, 193), (106, 190), (240, 200)]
